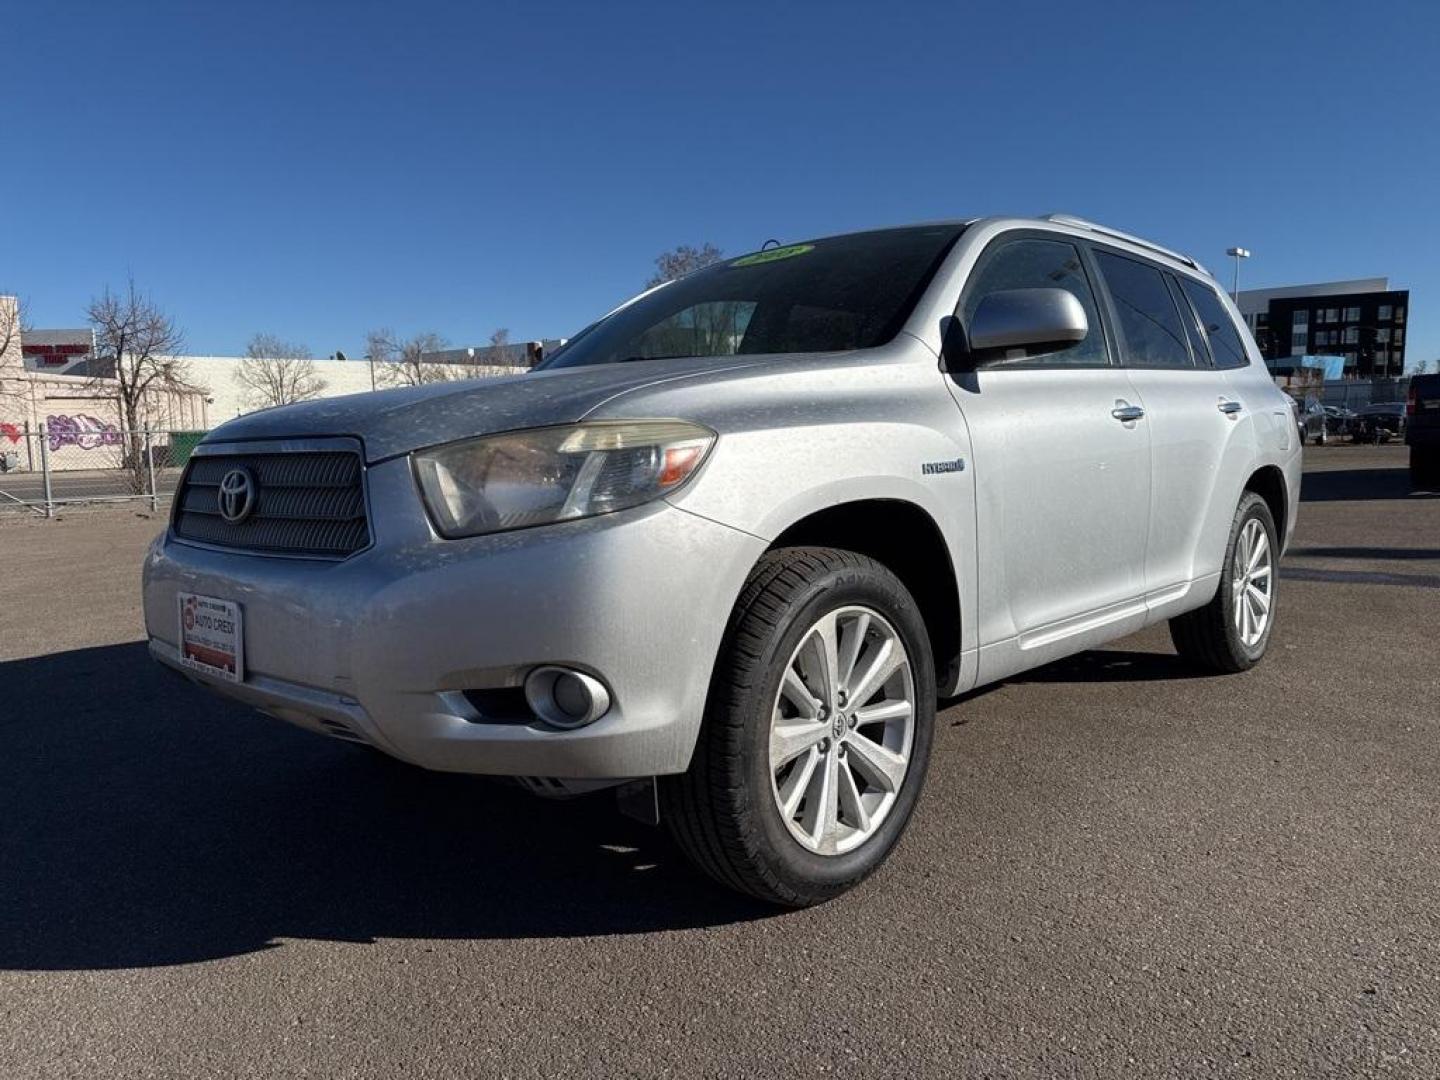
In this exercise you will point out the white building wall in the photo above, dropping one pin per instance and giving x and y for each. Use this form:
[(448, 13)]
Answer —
[(30, 398), (226, 399)]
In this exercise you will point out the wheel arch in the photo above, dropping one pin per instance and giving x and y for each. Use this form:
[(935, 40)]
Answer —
[(1268, 482), (904, 538)]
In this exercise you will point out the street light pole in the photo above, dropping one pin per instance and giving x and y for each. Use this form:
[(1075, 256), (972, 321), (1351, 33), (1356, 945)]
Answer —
[(1236, 253)]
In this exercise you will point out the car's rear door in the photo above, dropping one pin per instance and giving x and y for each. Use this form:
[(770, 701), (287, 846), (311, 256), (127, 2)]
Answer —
[(1192, 417), (1062, 476)]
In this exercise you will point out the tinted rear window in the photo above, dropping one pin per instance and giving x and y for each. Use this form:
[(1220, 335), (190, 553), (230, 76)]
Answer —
[(1225, 346), (845, 292), (1149, 320)]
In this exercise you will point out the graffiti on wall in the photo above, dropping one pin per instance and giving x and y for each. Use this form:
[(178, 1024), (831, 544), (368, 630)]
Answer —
[(80, 431), (11, 432)]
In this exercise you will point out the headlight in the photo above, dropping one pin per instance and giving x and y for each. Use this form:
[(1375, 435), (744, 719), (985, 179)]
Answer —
[(524, 478)]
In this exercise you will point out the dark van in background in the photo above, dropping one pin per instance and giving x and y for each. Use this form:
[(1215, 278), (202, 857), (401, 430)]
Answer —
[(1422, 431)]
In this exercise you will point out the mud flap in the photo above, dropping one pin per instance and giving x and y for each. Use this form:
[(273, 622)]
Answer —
[(640, 799)]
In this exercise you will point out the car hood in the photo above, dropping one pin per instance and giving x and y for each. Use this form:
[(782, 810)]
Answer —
[(393, 422)]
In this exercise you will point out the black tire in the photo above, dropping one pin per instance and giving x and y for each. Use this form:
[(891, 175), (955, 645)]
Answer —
[(1322, 438), (1208, 637), (722, 812)]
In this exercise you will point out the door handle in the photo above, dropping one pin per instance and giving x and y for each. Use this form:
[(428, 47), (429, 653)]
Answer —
[(1230, 408), (1127, 413)]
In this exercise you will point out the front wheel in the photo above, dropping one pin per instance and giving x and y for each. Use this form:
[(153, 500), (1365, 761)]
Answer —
[(1230, 633), (817, 730)]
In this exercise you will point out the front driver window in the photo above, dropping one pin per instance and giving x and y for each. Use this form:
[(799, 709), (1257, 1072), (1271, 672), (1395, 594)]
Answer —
[(1041, 264)]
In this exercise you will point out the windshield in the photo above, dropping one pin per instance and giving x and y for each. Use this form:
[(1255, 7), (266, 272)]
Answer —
[(845, 292)]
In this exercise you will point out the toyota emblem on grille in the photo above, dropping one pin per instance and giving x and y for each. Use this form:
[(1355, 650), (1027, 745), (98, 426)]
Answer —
[(236, 496)]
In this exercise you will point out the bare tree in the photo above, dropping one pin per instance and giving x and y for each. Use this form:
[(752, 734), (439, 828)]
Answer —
[(713, 329), (499, 350), (670, 265), (379, 350), (402, 363), (137, 345), (276, 372), (13, 325), (13, 322)]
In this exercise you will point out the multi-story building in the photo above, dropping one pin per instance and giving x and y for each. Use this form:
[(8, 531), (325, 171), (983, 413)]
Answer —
[(1363, 321)]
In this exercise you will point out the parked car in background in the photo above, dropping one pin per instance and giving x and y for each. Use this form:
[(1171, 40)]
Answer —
[(725, 548), (1422, 430), (1312, 421), (1338, 419), (1379, 423)]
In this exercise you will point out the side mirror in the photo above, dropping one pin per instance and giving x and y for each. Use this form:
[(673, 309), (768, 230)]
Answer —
[(1033, 320)]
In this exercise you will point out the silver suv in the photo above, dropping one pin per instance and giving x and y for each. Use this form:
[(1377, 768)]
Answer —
[(729, 545)]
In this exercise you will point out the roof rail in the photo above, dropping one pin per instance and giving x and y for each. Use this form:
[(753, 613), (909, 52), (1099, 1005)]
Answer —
[(1129, 238)]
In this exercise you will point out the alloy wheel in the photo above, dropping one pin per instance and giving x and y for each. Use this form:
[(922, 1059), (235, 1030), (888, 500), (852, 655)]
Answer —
[(1252, 583), (841, 730)]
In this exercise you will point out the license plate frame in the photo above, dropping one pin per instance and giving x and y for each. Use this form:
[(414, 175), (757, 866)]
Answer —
[(212, 636)]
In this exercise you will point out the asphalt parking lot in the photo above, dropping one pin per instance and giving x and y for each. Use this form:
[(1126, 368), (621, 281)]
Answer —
[(1117, 869)]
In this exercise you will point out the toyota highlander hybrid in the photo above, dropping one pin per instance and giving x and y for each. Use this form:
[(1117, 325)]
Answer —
[(726, 547)]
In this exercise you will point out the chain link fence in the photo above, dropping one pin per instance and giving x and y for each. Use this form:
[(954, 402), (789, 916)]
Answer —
[(68, 465), (1356, 393)]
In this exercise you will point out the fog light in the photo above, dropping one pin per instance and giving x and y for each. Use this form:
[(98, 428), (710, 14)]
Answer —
[(564, 698)]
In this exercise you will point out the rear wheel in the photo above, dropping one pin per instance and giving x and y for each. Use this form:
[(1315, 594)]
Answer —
[(1230, 633), (817, 730)]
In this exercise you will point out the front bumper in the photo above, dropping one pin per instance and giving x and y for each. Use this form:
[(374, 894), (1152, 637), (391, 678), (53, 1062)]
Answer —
[(380, 647)]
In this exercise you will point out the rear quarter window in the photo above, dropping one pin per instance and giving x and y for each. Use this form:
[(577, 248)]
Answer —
[(1226, 348)]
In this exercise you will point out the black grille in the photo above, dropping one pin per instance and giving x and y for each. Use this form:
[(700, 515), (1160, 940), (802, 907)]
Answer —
[(306, 503)]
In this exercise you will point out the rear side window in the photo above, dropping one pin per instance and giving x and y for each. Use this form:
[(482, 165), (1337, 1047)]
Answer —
[(1225, 344), (1193, 334), (1041, 264), (1149, 321)]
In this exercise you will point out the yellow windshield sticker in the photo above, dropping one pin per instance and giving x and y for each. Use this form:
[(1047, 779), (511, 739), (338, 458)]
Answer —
[(773, 255)]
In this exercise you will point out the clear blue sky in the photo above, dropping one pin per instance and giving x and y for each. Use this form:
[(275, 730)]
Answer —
[(315, 170)]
